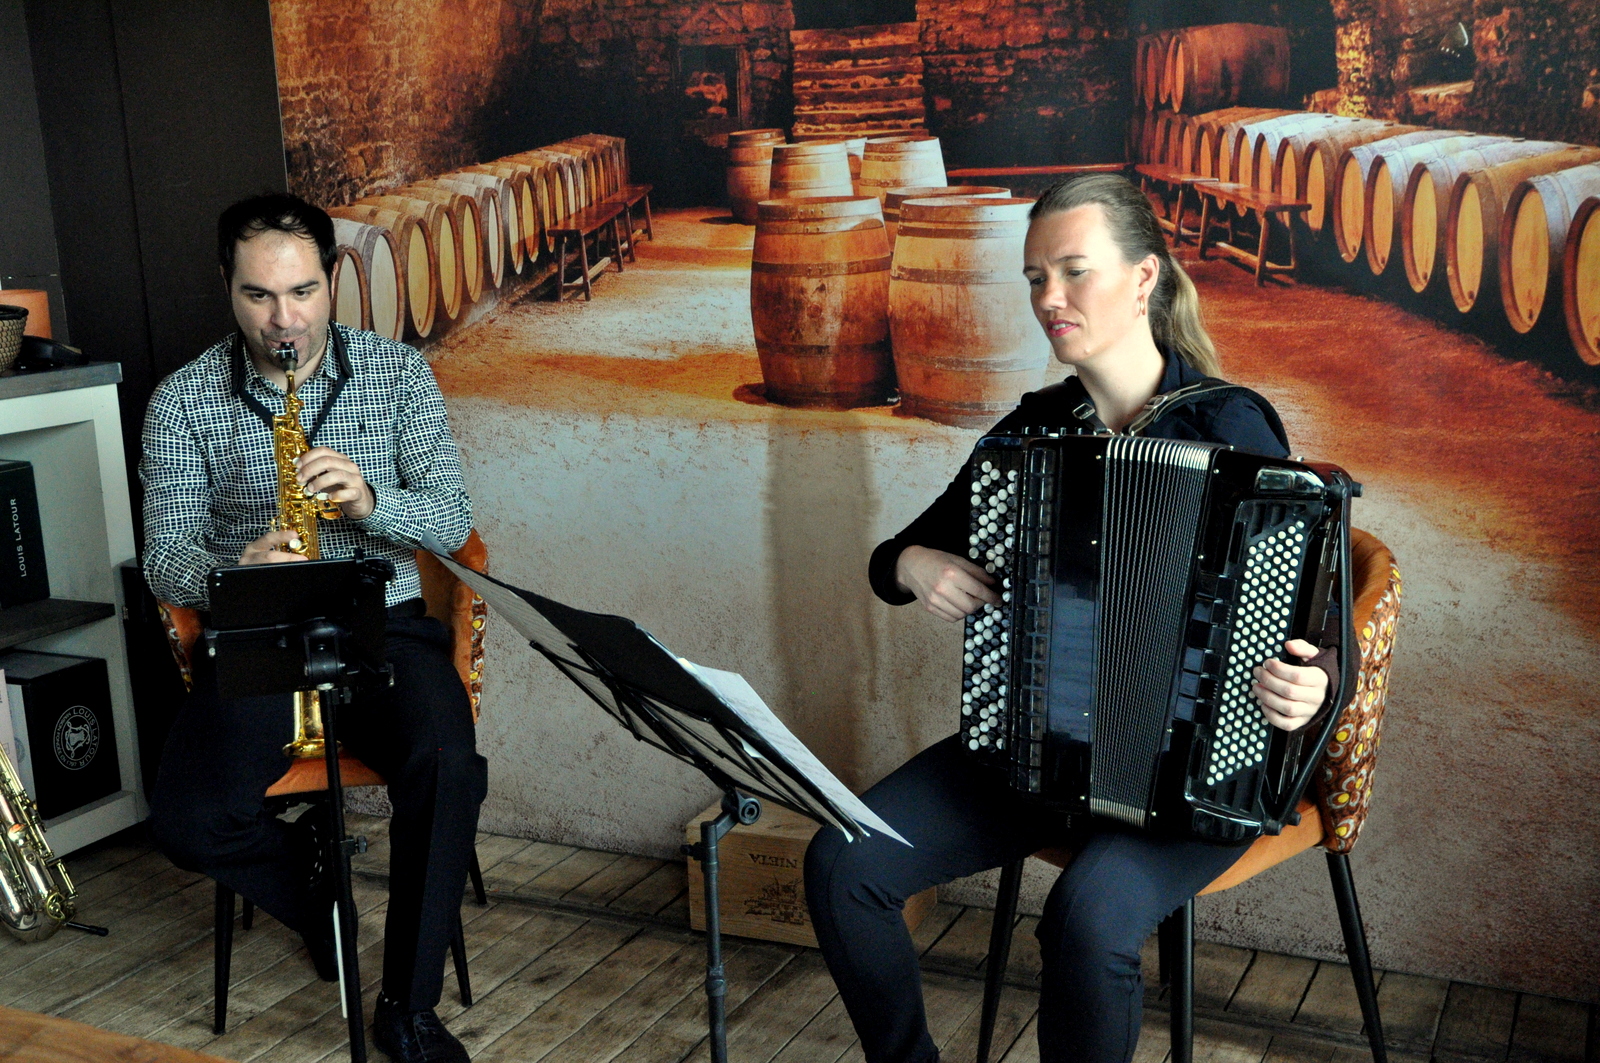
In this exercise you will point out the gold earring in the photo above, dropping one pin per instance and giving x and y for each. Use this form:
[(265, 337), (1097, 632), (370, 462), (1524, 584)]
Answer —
[(1142, 307)]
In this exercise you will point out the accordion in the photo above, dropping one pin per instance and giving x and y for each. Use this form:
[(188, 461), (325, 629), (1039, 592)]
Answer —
[(1141, 582)]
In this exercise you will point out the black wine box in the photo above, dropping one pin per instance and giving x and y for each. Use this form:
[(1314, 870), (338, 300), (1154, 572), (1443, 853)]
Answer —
[(61, 719), (23, 577)]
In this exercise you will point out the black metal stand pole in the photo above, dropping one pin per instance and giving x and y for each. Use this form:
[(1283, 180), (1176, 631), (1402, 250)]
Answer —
[(736, 808), (339, 853)]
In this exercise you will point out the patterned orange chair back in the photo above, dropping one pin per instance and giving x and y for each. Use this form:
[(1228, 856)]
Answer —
[(1344, 782), (449, 600)]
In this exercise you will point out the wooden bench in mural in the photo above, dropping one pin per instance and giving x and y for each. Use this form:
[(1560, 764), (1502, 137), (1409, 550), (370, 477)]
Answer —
[(1217, 196), (571, 236), (1174, 182), (632, 197)]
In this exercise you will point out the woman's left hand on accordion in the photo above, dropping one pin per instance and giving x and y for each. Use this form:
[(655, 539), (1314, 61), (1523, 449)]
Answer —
[(1291, 694)]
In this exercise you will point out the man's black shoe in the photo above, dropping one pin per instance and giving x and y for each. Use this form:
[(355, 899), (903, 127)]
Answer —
[(319, 943), (414, 1036)]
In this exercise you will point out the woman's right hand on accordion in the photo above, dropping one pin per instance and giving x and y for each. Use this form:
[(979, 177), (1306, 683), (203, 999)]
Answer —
[(948, 586), (1291, 694)]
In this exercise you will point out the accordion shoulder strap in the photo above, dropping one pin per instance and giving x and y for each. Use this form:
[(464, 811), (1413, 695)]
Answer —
[(1168, 402)]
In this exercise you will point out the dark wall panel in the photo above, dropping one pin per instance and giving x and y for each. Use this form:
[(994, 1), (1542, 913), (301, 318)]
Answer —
[(200, 96), (27, 235), (80, 110)]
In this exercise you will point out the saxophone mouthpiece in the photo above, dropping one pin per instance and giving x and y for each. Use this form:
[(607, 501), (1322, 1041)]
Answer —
[(288, 356)]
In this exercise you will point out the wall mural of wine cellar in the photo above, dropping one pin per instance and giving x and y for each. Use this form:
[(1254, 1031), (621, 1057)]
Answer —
[(721, 293)]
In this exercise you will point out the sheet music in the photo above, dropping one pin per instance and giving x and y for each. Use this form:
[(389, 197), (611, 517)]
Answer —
[(735, 692)]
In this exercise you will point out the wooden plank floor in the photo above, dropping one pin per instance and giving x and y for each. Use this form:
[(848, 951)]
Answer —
[(586, 957)]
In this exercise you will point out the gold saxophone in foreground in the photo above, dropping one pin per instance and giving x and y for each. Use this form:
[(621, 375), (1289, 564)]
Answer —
[(36, 895), (299, 513)]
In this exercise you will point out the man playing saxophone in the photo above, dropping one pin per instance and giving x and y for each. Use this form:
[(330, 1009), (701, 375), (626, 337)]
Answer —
[(382, 460)]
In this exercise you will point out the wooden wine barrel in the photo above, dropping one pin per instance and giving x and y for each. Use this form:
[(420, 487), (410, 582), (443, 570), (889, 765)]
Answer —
[(892, 162), (1201, 136), (1234, 135), (896, 196), (520, 178), (1264, 143), (966, 343), (614, 158), (1580, 280), (592, 181), (1164, 146), (1423, 216), (745, 138), (492, 226), (1533, 238), (1164, 85), (571, 179), (382, 272), (507, 209), (1477, 204), (749, 178), (348, 289), (819, 301), (818, 169), (468, 223), (437, 222), (1149, 64), (1379, 193), (559, 175), (1307, 161), (415, 261), (1233, 62)]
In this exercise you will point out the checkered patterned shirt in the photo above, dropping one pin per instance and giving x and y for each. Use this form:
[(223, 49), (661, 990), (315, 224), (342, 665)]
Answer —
[(211, 487)]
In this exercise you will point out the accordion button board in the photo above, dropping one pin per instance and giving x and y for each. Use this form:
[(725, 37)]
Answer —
[(1142, 581)]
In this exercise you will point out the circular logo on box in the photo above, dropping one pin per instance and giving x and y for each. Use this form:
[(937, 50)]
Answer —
[(77, 738)]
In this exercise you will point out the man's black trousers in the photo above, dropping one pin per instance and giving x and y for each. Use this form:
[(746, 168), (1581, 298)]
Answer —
[(961, 818), (208, 812)]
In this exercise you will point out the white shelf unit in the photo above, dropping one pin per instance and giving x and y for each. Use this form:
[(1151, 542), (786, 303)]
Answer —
[(73, 436)]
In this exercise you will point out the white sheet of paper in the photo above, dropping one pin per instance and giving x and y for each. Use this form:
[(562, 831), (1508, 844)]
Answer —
[(736, 692)]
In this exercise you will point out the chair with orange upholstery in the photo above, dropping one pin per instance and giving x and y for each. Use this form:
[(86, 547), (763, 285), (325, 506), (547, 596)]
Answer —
[(1333, 820), (464, 614)]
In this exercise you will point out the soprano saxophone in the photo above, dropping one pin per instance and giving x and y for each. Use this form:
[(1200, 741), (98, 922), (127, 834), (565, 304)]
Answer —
[(298, 512)]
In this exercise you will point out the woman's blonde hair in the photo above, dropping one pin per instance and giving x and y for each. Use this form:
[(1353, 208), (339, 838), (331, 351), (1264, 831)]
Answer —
[(1174, 304)]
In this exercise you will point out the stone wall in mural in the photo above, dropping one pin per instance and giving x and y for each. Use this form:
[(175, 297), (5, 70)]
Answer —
[(637, 447)]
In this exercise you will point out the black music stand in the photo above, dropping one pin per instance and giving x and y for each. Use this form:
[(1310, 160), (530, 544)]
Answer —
[(277, 629), (705, 717)]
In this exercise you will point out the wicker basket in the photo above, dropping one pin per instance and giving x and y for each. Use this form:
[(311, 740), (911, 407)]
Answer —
[(13, 319)]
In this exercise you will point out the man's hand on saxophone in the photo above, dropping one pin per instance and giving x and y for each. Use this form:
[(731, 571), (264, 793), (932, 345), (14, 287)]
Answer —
[(328, 474), (268, 550)]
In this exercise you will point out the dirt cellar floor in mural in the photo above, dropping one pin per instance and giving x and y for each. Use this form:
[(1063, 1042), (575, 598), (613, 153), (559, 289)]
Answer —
[(1482, 472)]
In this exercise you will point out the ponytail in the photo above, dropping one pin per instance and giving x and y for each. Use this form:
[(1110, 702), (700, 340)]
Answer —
[(1174, 305)]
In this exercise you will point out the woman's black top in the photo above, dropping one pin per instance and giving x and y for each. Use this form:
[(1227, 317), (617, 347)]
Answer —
[(1236, 417)]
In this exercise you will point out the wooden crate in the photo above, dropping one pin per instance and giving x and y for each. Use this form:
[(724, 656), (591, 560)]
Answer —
[(762, 878)]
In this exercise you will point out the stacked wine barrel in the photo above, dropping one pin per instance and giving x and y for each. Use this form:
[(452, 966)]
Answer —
[(418, 255), (845, 315), (1201, 68), (1487, 224)]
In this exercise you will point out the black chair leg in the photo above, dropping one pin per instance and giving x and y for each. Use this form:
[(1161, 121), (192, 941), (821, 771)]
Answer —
[(458, 953), (1005, 913), (248, 918), (222, 965), (1355, 947), (476, 874), (1176, 939)]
